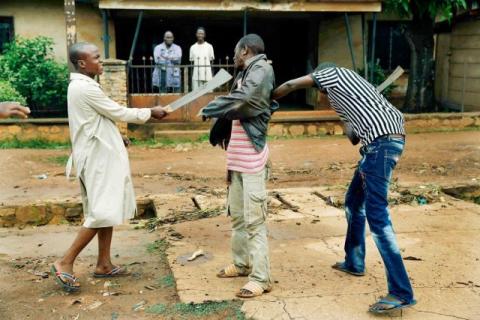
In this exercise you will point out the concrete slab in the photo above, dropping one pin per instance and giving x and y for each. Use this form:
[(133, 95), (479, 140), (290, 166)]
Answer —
[(438, 241)]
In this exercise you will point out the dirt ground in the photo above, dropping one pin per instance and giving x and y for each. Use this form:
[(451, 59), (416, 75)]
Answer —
[(440, 158), (443, 159)]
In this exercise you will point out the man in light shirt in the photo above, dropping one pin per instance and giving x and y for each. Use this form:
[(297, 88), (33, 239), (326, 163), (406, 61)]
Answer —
[(101, 162), (201, 55)]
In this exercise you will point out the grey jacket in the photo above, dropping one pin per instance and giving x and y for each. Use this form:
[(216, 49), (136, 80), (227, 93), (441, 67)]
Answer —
[(251, 104)]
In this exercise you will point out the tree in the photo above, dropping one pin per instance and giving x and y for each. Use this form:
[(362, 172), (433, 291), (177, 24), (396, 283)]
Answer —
[(420, 37)]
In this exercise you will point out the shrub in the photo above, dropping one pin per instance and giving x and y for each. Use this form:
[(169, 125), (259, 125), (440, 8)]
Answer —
[(28, 64), (8, 93)]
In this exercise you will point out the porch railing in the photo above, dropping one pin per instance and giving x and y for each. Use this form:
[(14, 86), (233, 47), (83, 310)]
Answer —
[(151, 78)]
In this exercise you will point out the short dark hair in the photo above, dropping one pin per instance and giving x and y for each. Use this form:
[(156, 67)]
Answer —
[(76, 51), (253, 42), (201, 28), (325, 65)]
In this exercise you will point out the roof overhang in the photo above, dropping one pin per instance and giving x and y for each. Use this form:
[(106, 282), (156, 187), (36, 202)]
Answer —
[(228, 5)]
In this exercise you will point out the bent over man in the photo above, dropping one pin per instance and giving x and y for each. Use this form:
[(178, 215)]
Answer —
[(380, 128)]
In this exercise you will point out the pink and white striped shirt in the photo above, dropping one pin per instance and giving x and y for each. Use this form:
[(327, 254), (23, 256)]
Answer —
[(241, 154)]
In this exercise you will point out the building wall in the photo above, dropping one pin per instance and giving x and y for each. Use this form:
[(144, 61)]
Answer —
[(333, 44), (464, 68), (46, 18), (333, 47), (442, 63)]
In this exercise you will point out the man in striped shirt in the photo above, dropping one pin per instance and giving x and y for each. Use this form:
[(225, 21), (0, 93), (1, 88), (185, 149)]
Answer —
[(241, 128), (380, 128)]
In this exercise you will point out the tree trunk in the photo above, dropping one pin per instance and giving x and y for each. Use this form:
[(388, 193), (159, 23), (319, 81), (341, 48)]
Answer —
[(419, 35)]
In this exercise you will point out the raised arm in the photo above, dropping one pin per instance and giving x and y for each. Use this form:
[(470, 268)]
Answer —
[(293, 85)]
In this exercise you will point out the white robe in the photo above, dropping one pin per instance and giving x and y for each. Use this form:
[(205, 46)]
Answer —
[(98, 152)]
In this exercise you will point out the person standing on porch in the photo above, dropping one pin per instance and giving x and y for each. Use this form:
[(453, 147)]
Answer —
[(201, 55), (241, 126), (101, 162), (167, 77), (380, 128)]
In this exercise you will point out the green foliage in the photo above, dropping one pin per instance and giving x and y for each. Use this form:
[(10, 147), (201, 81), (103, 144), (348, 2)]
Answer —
[(434, 8), (8, 93), (379, 75), (32, 144), (228, 309), (28, 64)]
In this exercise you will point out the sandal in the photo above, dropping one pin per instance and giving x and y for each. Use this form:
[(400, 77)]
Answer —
[(230, 271), (252, 289), (390, 303), (115, 272), (66, 280), (340, 266)]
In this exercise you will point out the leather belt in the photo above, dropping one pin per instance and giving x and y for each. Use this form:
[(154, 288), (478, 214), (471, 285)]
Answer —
[(395, 136)]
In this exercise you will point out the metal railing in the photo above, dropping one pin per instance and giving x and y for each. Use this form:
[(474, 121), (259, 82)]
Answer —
[(152, 78)]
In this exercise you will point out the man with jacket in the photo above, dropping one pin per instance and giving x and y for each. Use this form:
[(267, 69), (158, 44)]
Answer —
[(241, 128)]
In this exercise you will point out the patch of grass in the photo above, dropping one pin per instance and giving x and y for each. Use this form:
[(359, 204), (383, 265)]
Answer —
[(224, 309), (58, 160), (167, 281), (446, 130), (167, 142), (159, 247), (32, 144)]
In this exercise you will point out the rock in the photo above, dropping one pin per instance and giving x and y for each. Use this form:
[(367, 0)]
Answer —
[(276, 130), (74, 212), (296, 130), (36, 215), (312, 130), (95, 305)]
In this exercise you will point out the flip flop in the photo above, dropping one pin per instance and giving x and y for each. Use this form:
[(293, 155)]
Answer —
[(395, 304), (251, 290), (66, 286), (340, 266), (118, 271), (230, 271)]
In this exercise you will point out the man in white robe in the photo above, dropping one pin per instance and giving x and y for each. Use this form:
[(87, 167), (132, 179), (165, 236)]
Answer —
[(101, 161)]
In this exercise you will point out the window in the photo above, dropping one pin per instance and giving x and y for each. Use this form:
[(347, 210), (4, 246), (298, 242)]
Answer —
[(6, 31), (391, 47)]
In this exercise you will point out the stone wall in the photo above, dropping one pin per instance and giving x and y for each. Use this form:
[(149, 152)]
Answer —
[(114, 83), (55, 130), (69, 211)]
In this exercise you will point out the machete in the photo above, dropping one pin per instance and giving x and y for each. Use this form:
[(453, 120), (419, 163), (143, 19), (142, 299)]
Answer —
[(220, 78)]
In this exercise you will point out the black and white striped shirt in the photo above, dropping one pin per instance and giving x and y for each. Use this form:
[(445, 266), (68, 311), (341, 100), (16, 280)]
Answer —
[(358, 102)]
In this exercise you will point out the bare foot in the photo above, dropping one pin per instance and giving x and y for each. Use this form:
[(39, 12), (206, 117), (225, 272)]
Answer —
[(104, 268)]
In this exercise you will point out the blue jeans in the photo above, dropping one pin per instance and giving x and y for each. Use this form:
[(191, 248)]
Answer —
[(366, 199)]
